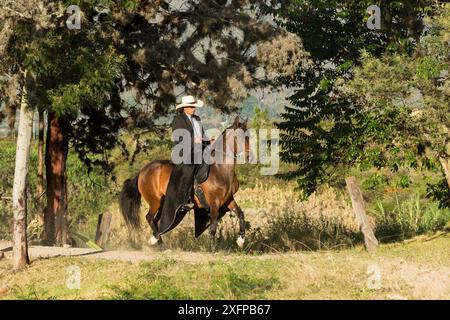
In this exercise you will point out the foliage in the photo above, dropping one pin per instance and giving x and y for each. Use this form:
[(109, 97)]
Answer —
[(440, 192), (260, 119), (77, 75), (408, 95), (395, 85), (326, 130), (6, 184), (72, 73), (89, 195)]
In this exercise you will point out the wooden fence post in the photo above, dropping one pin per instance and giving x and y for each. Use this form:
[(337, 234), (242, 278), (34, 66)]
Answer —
[(103, 227), (355, 192)]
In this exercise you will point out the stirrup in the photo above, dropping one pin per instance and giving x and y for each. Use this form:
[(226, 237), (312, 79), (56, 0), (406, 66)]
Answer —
[(198, 191)]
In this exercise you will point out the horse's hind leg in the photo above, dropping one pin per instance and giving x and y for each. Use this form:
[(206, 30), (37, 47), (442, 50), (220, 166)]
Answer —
[(233, 206), (156, 221), (152, 219), (151, 223)]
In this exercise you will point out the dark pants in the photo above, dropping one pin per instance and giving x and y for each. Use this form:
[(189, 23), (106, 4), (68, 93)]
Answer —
[(178, 192), (183, 180)]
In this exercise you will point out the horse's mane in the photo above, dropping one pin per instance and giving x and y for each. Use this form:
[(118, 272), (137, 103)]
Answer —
[(223, 134)]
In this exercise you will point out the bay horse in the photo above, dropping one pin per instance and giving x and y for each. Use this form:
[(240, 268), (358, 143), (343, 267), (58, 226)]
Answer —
[(219, 187)]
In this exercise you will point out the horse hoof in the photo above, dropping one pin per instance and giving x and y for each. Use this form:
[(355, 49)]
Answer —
[(153, 240), (162, 247), (240, 242)]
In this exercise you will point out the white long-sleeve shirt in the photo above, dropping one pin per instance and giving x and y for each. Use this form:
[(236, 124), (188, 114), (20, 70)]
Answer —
[(197, 127)]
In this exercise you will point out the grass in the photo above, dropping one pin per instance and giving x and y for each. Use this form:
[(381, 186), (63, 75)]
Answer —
[(409, 218), (416, 270), (167, 279), (279, 222), (46, 278)]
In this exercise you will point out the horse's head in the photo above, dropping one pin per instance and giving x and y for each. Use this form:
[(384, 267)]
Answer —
[(238, 135)]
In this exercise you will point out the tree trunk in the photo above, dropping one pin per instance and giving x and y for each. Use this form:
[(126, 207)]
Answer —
[(20, 249), (360, 212), (55, 162), (40, 173), (103, 228)]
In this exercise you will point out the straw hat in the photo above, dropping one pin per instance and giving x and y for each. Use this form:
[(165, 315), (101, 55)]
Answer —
[(189, 101)]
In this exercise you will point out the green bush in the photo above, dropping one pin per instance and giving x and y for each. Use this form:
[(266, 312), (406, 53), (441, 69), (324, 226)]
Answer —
[(374, 181), (89, 194), (401, 220)]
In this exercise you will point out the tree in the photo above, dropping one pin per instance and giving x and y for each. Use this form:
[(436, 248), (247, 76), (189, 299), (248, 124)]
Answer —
[(324, 130), (26, 23), (40, 174), (20, 251), (77, 85)]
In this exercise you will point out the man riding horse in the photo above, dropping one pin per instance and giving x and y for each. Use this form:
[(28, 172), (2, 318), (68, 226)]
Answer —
[(167, 185), (188, 134)]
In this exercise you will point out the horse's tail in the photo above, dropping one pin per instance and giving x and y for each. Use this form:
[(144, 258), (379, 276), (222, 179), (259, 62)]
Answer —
[(130, 202)]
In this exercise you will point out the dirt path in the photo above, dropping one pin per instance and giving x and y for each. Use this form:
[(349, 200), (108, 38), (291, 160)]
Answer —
[(424, 281), (135, 256), (42, 252)]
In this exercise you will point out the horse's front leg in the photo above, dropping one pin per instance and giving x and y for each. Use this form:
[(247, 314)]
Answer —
[(233, 206)]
